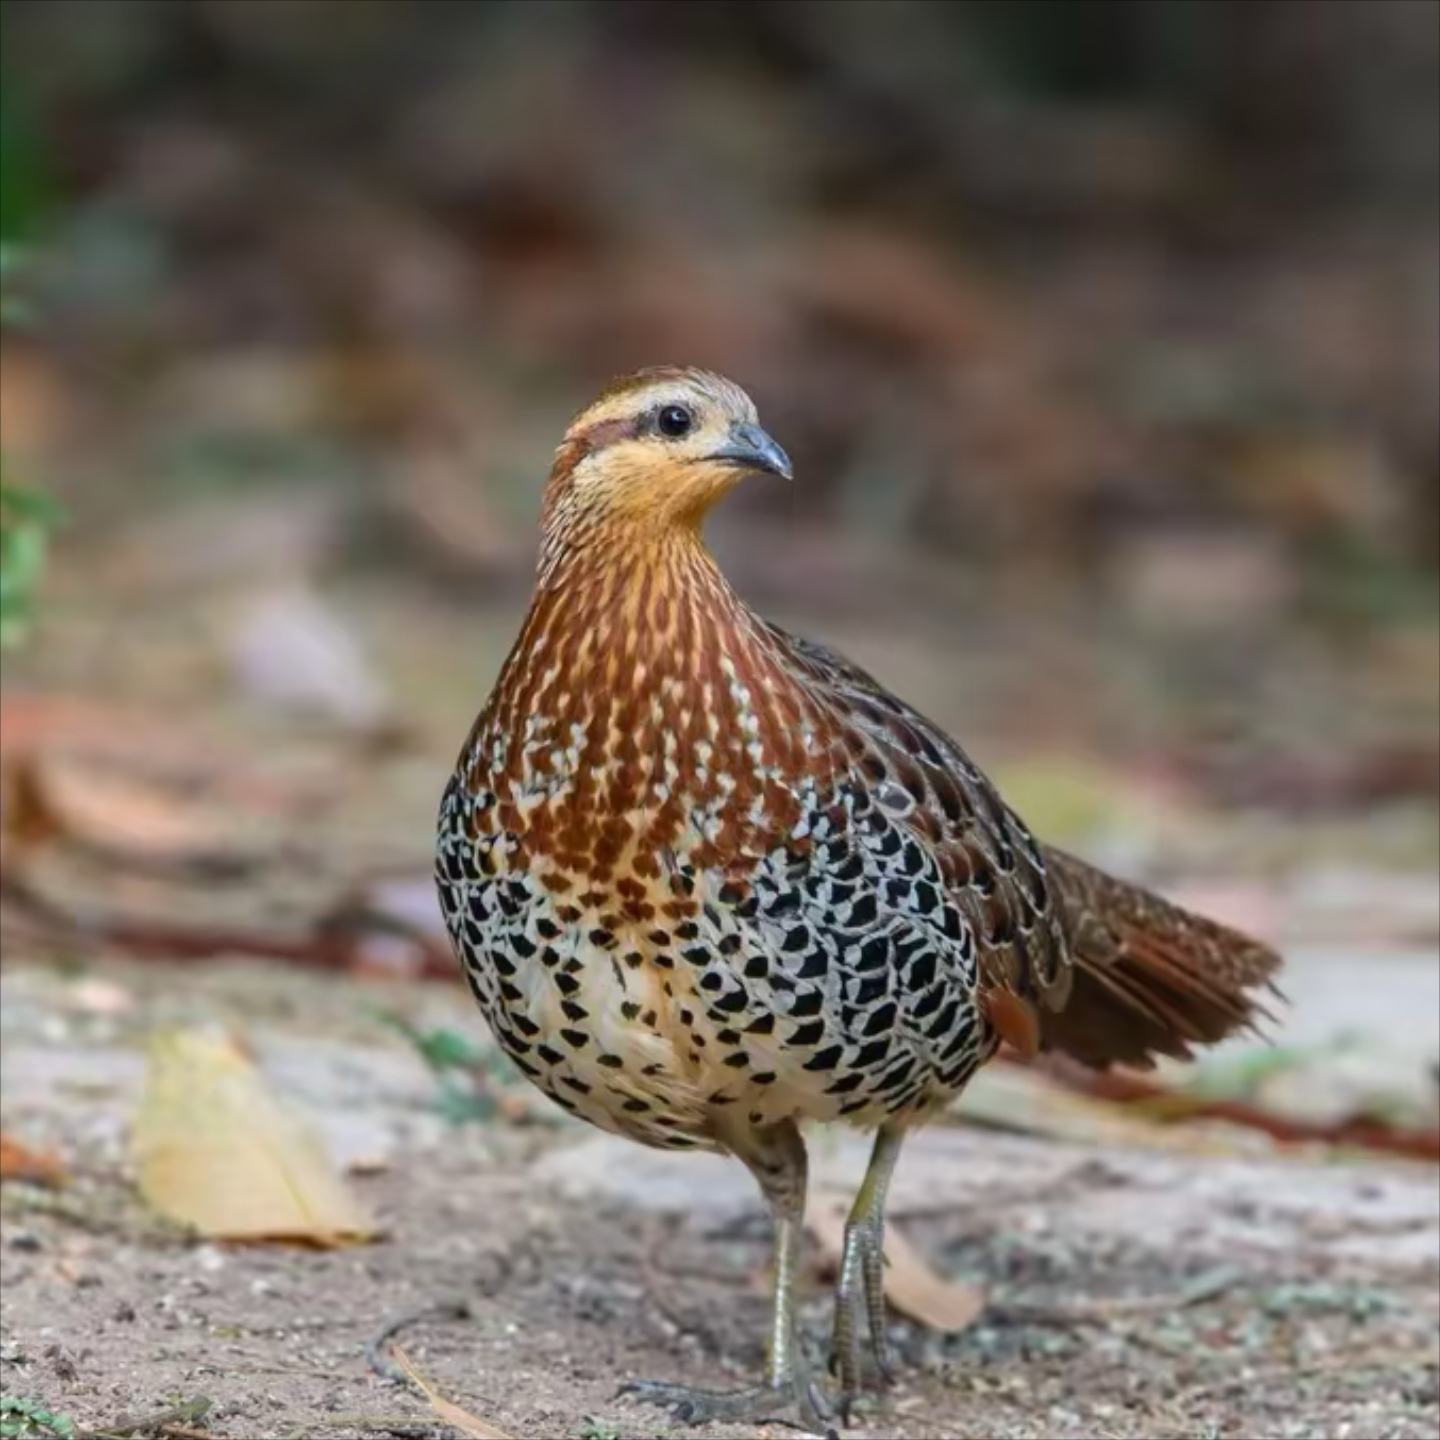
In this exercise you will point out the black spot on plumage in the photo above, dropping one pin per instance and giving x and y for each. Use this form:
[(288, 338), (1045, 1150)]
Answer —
[(863, 912), (845, 1084), (897, 1074), (733, 1003), (869, 989), (796, 940), (524, 1024), (510, 992), (882, 1018), (874, 953), (826, 1059), (738, 1061), (635, 1106), (927, 1003), (944, 1020), (712, 980), (549, 1054), (757, 967), (763, 1077), (612, 1062), (807, 1003), (729, 944), (474, 935), (872, 1053), (503, 964), (814, 965), (922, 970), (808, 1034), (479, 910), (663, 961), (574, 1010), (550, 957), (927, 897), (580, 1085), (687, 930), (630, 1010), (566, 984), (695, 955), (761, 1025)]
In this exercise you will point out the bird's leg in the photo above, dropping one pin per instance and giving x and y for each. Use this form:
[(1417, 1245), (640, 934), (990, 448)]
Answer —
[(860, 1290), (776, 1157)]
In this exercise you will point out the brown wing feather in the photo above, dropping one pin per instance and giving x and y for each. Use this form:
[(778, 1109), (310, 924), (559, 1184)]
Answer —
[(1151, 978), (1114, 974), (994, 867)]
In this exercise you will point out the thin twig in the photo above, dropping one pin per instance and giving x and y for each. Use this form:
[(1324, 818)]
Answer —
[(382, 1365)]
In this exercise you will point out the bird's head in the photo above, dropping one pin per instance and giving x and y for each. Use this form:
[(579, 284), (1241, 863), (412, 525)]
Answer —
[(655, 451)]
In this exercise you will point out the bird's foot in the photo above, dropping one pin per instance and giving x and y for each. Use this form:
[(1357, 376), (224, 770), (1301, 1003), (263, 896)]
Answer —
[(797, 1402), (860, 1314)]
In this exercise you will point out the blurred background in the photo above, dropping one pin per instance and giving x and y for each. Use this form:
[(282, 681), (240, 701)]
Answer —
[(1104, 334)]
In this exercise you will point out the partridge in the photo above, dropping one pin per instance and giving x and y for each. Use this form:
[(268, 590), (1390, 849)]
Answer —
[(709, 881)]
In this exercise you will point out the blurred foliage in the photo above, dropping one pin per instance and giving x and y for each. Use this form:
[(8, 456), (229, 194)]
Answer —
[(21, 1418), (26, 516), (1038, 284)]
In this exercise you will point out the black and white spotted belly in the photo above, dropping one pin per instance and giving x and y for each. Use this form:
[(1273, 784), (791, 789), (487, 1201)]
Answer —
[(837, 981)]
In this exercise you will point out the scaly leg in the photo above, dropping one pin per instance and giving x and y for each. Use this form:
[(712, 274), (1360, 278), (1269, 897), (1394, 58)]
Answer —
[(860, 1290), (776, 1157)]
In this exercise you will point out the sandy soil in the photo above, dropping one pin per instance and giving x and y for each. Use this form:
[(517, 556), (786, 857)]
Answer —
[(1131, 1293)]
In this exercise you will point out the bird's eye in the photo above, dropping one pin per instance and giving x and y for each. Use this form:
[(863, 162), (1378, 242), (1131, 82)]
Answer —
[(674, 421)]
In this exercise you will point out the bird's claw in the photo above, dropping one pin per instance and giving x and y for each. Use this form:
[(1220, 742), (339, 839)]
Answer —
[(860, 1314), (800, 1402)]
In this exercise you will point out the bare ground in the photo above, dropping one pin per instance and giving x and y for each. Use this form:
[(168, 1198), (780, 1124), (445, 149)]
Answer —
[(1131, 1293)]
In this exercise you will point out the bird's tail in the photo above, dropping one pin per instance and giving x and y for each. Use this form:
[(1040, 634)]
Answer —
[(1150, 978)]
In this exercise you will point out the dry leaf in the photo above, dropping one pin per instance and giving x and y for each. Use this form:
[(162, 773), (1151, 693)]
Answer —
[(19, 1162), (215, 1150), (911, 1286), (446, 1410), (65, 796), (1028, 1101)]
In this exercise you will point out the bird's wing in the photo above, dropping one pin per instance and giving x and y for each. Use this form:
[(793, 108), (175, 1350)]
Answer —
[(994, 868), (1071, 958)]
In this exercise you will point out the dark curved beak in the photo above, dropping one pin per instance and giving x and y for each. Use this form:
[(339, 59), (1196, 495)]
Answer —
[(750, 446)]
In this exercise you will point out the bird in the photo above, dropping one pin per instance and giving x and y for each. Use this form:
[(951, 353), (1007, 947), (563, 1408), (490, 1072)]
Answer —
[(711, 882)]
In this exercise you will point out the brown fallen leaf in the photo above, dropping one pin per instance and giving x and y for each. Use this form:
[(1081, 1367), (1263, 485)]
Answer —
[(65, 796), (1028, 1099), (911, 1286), (19, 1162), (216, 1151), (446, 1410)]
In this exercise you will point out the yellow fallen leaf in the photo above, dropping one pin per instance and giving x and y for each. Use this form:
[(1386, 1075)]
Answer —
[(911, 1286), (444, 1409), (216, 1151)]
